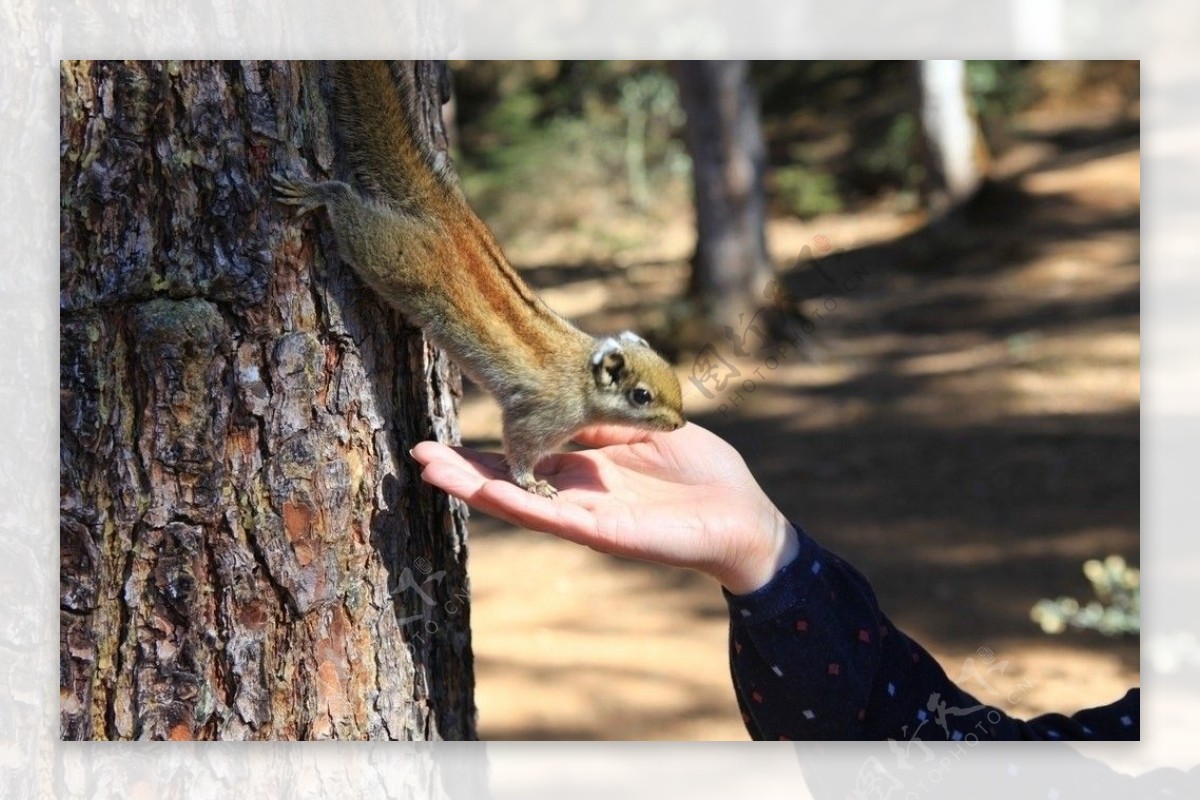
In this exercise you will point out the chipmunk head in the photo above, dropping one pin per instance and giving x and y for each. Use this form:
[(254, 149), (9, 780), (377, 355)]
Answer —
[(635, 385)]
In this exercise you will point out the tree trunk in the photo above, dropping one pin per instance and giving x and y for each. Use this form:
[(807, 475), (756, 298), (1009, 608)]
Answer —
[(954, 151), (730, 268), (246, 552)]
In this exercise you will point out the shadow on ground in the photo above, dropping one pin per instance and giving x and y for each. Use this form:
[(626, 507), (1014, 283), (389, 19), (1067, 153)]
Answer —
[(964, 428)]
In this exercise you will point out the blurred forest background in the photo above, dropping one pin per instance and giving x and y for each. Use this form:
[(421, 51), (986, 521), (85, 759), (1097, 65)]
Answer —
[(960, 419)]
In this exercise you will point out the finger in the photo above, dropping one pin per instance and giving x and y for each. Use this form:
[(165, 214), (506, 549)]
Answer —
[(485, 465), (557, 516), (509, 502), (427, 451), (489, 465), (598, 436), (457, 481), (467, 486), (487, 460), (463, 480)]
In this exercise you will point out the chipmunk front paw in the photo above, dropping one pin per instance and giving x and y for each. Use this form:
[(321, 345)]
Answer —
[(543, 488), (537, 487)]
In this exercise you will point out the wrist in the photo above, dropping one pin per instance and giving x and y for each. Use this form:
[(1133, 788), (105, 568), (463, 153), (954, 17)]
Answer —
[(773, 545)]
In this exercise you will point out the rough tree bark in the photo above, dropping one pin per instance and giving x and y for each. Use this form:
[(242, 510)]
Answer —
[(246, 552), (730, 268)]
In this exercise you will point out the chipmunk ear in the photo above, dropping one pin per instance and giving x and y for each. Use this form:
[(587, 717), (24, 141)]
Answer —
[(608, 363), (629, 336)]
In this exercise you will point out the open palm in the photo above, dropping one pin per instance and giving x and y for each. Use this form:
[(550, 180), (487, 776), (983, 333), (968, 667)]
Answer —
[(683, 498)]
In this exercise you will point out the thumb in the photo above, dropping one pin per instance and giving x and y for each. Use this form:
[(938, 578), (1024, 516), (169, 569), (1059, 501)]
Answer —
[(598, 436)]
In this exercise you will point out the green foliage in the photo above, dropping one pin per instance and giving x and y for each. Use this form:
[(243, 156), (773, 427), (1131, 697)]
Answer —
[(892, 159), (576, 144), (561, 144), (997, 88), (806, 192), (652, 112), (1115, 610)]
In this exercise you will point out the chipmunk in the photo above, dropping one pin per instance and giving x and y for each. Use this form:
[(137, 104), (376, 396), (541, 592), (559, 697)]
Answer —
[(417, 243)]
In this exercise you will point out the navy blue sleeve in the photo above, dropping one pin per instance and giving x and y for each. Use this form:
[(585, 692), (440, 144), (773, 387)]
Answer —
[(813, 657)]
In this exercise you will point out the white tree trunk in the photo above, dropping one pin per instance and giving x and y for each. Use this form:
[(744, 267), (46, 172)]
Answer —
[(953, 141)]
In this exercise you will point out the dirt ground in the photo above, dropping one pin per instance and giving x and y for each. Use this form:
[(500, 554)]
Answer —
[(966, 432)]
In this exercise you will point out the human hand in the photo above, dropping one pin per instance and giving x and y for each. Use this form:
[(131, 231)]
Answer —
[(682, 498)]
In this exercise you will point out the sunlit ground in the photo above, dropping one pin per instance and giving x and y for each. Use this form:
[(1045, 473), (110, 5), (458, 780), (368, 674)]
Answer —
[(966, 432)]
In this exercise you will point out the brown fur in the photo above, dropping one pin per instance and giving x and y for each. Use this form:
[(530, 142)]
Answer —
[(421, 247)]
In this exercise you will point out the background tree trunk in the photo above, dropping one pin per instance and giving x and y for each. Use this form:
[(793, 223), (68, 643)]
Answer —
[(246, 551), (730, 269), (953, 148)]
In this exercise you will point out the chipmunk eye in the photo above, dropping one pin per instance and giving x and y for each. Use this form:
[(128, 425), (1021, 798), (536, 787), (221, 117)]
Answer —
[(640, 396)]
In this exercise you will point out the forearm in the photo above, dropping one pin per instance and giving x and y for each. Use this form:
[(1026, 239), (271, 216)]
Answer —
[(814, 657)]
